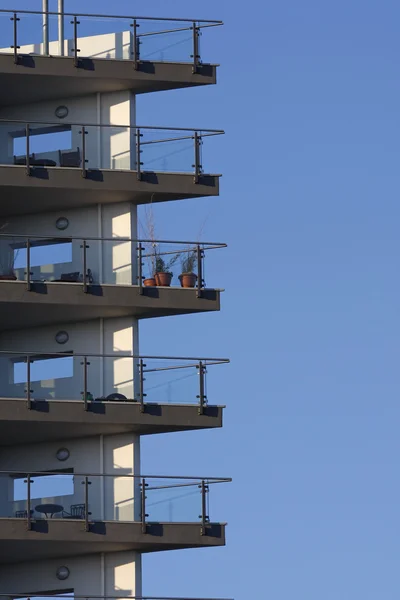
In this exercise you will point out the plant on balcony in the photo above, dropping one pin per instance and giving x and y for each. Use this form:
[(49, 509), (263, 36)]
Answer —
[(163, 263), (188, 277)]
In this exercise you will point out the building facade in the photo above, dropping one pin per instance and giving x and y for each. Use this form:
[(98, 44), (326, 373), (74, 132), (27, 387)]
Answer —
[(76, 512)]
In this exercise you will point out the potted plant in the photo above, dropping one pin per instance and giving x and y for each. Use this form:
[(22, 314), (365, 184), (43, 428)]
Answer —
[(162, 272), (188, 277)]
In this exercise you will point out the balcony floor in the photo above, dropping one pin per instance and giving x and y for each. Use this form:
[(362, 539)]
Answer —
[(63, 538), (40, 78), (49, 421)]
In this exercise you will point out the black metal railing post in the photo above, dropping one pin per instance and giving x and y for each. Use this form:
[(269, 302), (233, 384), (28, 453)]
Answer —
[(196, 51), (84, 246), (143, 514), (136, 45), (28, 390), (204, 516), (140, 268), (28, 265), (15, 47), (83, 132), (202, 388), (75, 49), (28, 502), (138, 153), (27, 133), (86, 483), (200, 279), (142, 395), (85, 363), (197, 160)]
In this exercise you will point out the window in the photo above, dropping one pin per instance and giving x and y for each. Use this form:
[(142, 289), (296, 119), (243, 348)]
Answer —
[(43, 369), (44, 486), (44, 253), (42, 140)]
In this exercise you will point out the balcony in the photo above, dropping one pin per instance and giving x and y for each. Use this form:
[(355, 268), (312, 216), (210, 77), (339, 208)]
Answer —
[(101, 278), (94, 513), (98, 53), (42, 394), (47, 166)]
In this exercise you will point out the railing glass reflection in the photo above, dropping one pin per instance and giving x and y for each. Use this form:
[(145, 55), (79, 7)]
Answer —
[(81, 36), (118, 377), (91, 497), (143, 149)]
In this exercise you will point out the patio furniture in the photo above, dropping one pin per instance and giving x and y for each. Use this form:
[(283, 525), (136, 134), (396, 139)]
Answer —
[(22, 514), (77, 511), (70, 159), (49, 509), (35, 162)]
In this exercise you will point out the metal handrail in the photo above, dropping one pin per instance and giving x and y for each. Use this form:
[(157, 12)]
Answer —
[(133, 356), (205, 245), (201, 130), (195, 479), (98, 16), (125, 597)]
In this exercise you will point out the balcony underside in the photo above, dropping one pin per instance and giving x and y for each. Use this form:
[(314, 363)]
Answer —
[(55, 420), (65, 188), (63, 538), (39, 78), (53, 303)]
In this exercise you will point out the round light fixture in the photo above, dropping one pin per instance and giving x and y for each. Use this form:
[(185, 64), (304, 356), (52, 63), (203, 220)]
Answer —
[(62, 223), (62, 573), (62, 454), (61, 112), (62, 337)]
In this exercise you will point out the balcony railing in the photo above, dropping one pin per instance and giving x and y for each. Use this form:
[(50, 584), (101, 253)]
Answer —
[(73, 596), (93, 261), (82, 36), (90, 147), (106, 497), (96, 378)]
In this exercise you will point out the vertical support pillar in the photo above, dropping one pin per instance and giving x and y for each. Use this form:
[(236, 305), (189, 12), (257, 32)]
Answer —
[(60, 27), (45, 10)]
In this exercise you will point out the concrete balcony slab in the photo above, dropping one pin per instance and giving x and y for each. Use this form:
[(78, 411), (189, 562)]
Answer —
[(61, 538), (52, 303), (40, 78), (48, 421), (62, 188)]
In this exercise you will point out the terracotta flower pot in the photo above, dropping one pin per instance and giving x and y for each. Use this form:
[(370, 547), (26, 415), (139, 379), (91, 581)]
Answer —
[(8, 278), (150, 282), (163, 279), (188, 280)]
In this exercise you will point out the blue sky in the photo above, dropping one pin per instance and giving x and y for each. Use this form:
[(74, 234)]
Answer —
[(309, 96)]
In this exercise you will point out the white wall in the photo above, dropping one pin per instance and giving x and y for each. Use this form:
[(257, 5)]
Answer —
[(111, 262), (106, 147), (109, 46), (116, 574), (111, 498), (105, 375)]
